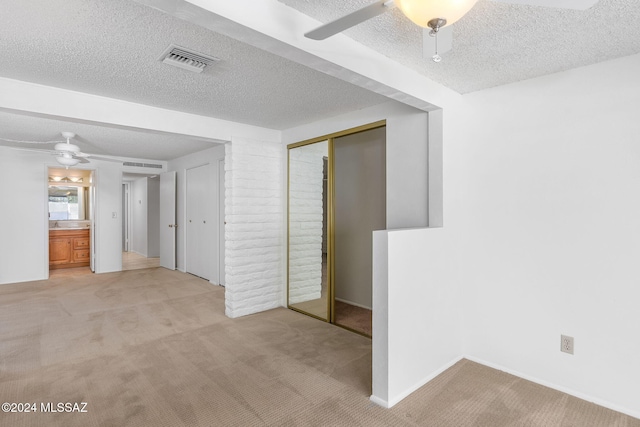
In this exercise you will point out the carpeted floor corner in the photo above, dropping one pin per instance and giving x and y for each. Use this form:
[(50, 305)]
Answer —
[(153, 348)]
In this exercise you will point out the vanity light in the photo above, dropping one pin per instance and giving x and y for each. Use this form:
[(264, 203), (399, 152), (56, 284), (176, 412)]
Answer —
[(423, 12), (74, 179)]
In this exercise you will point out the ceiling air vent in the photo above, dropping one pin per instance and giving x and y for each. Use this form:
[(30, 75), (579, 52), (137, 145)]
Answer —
[(186, 59), (142, 165)]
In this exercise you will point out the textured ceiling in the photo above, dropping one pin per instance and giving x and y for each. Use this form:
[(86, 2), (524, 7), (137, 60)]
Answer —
[(497, 43), (111, 48), (97, 140)]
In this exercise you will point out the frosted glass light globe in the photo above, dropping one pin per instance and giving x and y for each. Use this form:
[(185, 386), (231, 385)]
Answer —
[(67, 160), (423, 11)]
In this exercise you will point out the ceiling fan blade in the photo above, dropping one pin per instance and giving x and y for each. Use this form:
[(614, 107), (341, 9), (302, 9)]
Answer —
[(334, 27), (564, 4), (445, 41)]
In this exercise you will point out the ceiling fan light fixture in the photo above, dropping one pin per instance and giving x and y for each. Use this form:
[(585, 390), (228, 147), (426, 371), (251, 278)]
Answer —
[(423, 11), (67, 160), (66, 147)]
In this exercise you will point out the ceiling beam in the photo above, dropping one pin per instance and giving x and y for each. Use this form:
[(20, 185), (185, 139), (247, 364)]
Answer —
[(279, 29), (46, 101)]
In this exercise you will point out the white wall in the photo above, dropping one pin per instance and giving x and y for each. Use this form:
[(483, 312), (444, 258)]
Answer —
[(108, 226), (416, 325), (550, 184), (23, 253), (139, 216), (27, 258), (407, 170)]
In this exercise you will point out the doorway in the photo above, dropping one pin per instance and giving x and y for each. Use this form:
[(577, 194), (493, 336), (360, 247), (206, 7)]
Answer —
[(336, 199), (141, 221), (71, 220)]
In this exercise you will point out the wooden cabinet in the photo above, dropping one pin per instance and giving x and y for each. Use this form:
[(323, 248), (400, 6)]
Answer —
[(69, 248)]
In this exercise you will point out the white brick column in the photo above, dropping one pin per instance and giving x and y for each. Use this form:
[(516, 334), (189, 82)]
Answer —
[(253, 231)]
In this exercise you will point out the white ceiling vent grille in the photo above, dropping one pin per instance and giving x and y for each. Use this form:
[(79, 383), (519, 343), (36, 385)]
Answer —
[(142, 165), (187, 59)]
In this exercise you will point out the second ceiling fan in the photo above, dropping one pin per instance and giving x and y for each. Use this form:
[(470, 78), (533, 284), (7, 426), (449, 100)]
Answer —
[(436, 16)]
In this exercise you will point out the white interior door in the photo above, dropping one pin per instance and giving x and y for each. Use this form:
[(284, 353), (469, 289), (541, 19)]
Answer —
[(199, 258), (168, 220), (221, 222)]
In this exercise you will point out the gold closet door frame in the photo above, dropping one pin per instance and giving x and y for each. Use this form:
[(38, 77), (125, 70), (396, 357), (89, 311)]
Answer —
[(330, 209)]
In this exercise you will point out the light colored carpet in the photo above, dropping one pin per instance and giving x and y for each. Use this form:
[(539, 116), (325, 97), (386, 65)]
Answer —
[(134, 261), (153, 348)]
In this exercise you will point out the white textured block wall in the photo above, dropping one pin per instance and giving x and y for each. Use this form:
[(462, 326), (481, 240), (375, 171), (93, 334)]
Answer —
[(253, 232), (305, 221)]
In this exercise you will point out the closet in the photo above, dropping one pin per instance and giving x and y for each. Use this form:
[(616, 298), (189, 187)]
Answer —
[(200, 224), (336, 199)]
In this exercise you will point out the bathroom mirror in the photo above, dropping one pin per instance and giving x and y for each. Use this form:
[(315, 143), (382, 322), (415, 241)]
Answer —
[(67, 202), (308, 281)]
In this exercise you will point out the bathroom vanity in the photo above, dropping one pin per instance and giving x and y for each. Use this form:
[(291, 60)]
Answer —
[(69, 247)]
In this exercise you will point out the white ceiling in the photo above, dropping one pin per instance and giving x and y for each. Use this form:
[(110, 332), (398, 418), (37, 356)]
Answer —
[(111, 48), (497, 43), (95, 139)]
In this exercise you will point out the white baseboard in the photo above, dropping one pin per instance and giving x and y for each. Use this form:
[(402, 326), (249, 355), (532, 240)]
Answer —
[(379, 402), (566, 390), (397, 399)]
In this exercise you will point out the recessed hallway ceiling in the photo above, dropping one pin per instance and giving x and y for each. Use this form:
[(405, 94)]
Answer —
[(99, 140), (497, 43)]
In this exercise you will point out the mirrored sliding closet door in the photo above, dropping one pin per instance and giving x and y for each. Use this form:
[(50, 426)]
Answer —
[(308, 204)]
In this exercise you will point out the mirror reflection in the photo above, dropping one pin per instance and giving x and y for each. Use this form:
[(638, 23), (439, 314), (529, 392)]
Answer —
[(67, 203), (308, 236)]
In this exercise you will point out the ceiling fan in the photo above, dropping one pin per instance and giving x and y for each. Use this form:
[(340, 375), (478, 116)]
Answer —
[(67, 154), (435, 16)]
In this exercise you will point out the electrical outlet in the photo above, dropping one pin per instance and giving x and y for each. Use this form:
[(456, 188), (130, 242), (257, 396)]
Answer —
[(566, 344)]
